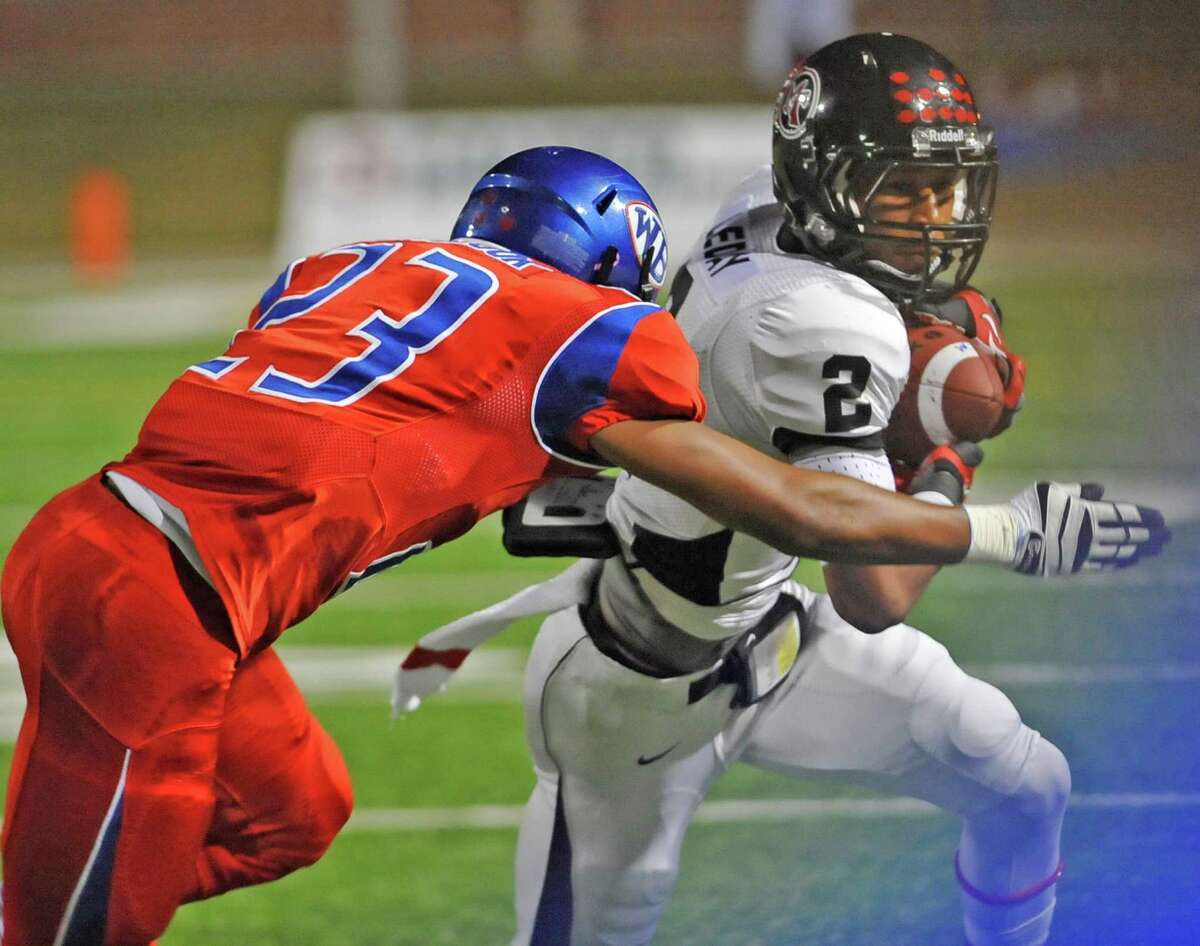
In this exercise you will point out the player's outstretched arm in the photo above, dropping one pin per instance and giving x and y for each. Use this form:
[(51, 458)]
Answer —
[(801, 512), (1046, 529)]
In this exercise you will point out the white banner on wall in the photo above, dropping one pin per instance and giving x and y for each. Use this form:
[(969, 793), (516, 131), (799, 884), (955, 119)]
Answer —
[(367, 175)]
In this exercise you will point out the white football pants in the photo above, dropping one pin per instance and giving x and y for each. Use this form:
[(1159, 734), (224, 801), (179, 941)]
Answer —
[(623, 760)]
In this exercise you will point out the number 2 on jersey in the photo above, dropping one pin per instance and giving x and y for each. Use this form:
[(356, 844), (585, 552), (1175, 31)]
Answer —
[(837, 419)]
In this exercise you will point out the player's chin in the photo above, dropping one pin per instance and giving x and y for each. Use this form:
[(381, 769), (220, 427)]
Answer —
[(906, 260), (911, 264)]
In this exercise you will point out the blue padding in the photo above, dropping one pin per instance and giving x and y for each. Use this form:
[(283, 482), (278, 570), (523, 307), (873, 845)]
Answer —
[(90, 916), (577, 379), (552, 927), (382, 564)]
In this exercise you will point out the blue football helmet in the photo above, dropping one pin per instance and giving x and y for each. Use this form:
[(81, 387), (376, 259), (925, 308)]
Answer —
[(577, 211)]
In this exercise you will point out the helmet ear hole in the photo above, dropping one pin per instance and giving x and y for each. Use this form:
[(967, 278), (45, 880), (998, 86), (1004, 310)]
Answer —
[(604, 201), (604, 266)]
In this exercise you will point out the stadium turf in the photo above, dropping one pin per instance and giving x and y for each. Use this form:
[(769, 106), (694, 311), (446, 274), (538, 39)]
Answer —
[(1101, 396)]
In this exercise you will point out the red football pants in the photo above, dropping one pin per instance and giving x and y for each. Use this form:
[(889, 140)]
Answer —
[(152, 766)]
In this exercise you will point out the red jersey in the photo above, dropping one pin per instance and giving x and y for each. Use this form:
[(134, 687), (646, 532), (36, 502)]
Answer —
[(384, 398)]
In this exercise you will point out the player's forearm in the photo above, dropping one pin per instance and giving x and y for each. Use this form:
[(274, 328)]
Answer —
[(875, 597), (839, 519), (816, 515)]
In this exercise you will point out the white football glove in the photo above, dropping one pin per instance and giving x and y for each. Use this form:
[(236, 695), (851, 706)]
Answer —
[(1054, 529)]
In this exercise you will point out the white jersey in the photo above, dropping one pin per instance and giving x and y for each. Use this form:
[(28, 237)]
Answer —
[(799, 360), (628, 725)]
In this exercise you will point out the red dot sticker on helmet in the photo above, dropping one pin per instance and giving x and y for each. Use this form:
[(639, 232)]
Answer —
[(899, 77), (960, 114), (926, 114), (907, 116), (968, 98), (957, 95), (945, 113), (937, 75), (926, 94), (958, 77), (903, 95)]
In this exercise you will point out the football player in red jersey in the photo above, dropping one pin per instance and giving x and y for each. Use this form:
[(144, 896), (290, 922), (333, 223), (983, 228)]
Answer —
[(383, 397)]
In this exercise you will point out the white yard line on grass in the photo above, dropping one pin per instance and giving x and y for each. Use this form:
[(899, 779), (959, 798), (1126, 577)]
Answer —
[(160, 300), (394, 592), (494, 673), (737, 811)]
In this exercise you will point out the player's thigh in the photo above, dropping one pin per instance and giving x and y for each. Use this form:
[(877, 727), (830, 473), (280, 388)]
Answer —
[(127, 658), (628, 756), (884, 706), (101, 600), (596, 719), (847, 701), (276, 764)]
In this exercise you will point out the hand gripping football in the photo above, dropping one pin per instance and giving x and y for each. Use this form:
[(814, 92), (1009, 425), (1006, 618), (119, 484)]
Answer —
[(953, 393)]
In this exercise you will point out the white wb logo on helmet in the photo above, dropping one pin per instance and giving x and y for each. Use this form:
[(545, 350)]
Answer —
[(648, 236)]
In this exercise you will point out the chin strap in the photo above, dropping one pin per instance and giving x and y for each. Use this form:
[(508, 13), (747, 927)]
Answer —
[(1010, 899), (646, 288)]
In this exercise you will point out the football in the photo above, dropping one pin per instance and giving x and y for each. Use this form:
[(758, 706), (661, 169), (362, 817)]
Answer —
[(954, 392)]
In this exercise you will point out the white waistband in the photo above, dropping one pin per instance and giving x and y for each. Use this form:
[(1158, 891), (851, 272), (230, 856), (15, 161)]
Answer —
[(164, 516)]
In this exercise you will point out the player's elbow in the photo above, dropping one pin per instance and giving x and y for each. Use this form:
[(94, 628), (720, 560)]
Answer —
[(868, 598)]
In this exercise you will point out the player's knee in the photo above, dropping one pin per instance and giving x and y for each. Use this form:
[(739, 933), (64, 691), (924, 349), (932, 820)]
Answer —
[(956, 715), (632, 904), (975, 728), (317, 813), (338, 806), (986, 721), (336, 803), (307, 843), (1045, 782)]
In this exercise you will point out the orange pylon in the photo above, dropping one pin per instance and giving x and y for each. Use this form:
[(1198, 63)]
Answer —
[(100, 225)]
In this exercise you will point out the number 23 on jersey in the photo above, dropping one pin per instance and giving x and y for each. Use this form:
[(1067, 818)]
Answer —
[(393, 341)]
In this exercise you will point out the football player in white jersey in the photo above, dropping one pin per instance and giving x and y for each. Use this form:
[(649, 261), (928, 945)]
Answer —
[(690, 648), (696, 650)]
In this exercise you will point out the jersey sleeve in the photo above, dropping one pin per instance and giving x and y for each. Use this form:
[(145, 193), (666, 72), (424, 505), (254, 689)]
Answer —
[(829, 362), (628, 362)]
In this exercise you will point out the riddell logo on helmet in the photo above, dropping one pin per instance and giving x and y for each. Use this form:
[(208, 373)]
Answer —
[(927, 138), (942, 135), (797, 101)]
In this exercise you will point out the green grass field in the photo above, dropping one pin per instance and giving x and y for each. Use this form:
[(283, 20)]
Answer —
[(1108, 393)]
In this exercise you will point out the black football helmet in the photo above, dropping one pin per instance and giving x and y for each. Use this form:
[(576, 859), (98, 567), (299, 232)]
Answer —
[(883, 166)]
